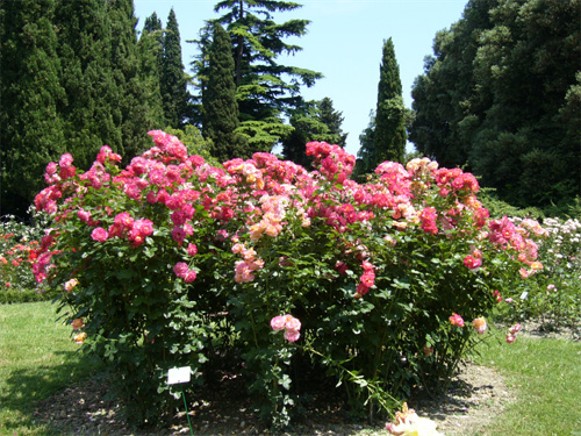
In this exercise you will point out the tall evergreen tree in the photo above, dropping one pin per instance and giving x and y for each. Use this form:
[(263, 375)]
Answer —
[(174, 85), (139, 111), (150, 52), (266, 89), (313, 121), (31, 130), (389, 131), (219, 99), (153, 27), (333, 119), (92, 113)]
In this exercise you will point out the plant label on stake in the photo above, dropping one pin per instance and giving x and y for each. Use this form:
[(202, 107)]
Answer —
[(179, 375)]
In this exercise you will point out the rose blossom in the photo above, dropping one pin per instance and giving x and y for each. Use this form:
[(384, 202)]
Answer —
[(289, 324), (278, 322), (479, 324), (71, 284), (456, 320), (99, 234), (77, 323)]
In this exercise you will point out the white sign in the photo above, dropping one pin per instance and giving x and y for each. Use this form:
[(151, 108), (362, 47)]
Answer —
[(179, 375)]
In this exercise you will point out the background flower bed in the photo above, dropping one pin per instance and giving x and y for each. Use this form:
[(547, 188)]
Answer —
[(171, 261)]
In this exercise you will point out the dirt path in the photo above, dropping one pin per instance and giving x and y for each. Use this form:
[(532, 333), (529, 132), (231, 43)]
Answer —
[(474, 398)]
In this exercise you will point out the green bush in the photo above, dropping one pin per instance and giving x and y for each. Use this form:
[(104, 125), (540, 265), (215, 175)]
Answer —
[(19, 243), (284, 273), (553, 296)]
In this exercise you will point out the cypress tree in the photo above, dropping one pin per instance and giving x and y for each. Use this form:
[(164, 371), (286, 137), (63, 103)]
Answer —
[(92, 113), (174, 92), (219, 99), (150, 50), (333, 120), (31, 130), (138, 109), (388, 139)]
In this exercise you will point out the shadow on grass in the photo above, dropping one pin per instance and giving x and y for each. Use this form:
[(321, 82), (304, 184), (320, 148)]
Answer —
[(25, 388)]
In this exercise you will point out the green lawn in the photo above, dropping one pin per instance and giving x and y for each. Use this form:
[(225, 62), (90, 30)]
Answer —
[(545, 376), (37, 359)]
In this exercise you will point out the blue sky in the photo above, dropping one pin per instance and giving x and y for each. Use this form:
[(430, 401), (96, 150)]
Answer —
[(344, 42)]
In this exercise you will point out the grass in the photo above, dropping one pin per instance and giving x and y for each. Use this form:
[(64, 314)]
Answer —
[(545, 377), (38, 359)]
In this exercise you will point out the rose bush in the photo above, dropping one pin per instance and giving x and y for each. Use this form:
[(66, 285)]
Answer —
[(18, 247), (552, 296), (171, 261)]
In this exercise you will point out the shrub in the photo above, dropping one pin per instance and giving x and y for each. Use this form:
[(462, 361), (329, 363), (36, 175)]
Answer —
[(553, 296), (18, 247), (381, 286)]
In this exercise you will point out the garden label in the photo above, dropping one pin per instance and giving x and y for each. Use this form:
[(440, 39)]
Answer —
[(179, 375)]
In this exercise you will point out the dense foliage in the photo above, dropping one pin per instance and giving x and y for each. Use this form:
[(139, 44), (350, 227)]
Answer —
[(219, 99), (501, 95), (386, 136), (288, 275), (83, 88), (173, 80), (312, 121), (266, 90)]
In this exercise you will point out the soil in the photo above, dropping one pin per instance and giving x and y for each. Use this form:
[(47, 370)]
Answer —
[(475, 396)]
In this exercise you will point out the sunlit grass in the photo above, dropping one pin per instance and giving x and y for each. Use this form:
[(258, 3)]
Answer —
[(37, 359), (544, 375)]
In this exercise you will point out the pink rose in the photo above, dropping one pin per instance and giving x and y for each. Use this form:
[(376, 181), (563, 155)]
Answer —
[(515, 329), (292, 323), (180, 269), (456, 320), (192, 250), (190, 276), (292, 335), (99, 234), (278, 323), (472, 262)]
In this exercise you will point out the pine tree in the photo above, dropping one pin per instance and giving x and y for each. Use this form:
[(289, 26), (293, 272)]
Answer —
[(389, 131), (174, 86), (219, 99), (266, 90), (31, 130)]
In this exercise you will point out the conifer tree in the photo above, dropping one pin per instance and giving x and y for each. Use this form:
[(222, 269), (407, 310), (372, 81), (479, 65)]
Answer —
[(219, 99), (174, 87), (92, 113), (266, 90), (31, 130), (389, 130), (313, 121), (150, 49), (140, 111), (333, 120)]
